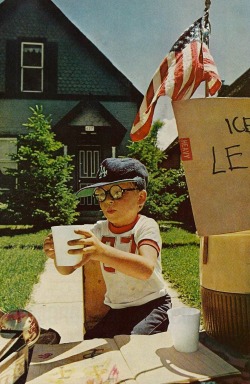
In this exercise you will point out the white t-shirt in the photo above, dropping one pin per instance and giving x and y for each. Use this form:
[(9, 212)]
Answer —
[(122, 290)]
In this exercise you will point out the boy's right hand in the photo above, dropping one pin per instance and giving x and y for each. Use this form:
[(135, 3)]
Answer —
[(48, 246)]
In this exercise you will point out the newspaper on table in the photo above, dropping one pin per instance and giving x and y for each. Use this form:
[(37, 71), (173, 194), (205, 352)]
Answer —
[(125, 359)]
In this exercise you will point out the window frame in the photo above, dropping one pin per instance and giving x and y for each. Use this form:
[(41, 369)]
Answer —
[(32, 67)]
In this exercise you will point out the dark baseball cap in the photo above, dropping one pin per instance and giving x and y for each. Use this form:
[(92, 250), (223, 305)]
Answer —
[(116, 170)]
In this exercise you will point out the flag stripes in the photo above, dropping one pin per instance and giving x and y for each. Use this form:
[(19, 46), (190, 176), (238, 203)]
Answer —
[(188, 63)]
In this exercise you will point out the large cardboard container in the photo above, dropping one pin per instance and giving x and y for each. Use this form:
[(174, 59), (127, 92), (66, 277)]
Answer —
[(214, 137), (225, 288)]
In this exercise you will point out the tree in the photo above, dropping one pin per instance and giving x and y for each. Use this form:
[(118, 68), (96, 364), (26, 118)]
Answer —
[(43, 196), (167, 188)]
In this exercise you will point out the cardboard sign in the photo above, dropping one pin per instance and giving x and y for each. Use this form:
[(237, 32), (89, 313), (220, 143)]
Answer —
[(214, 137)]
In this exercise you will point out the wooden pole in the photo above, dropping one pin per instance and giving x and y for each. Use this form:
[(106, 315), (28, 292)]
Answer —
[(207, 6), (205, 240)]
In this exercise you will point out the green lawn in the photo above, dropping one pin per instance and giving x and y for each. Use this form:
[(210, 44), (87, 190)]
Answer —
[(22, 261), (180, 262)]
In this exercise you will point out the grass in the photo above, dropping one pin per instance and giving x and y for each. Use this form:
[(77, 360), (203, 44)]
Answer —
[(180, 263), (21, 262)]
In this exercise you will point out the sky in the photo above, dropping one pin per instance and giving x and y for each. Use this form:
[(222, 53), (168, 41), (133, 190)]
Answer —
[(136, 35)]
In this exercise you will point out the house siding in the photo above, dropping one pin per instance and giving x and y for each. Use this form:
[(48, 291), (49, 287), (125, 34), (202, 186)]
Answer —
[(82, 69)]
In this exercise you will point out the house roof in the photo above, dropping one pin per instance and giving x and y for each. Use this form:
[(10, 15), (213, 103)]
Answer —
[(124, 111), (71, 112), (13, 111), (239, 88)]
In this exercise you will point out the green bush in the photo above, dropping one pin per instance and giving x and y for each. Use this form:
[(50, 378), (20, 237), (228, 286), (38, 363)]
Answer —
[(166, 188), (43, 196)]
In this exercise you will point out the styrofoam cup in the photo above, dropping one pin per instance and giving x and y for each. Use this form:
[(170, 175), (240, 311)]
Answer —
[(61, 235), (184, 325)]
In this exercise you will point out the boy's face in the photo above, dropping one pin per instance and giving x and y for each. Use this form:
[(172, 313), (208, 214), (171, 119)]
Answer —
[(123, 211)]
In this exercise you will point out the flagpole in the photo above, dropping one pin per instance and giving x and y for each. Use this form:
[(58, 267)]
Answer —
[(205, 239), (207, 6)]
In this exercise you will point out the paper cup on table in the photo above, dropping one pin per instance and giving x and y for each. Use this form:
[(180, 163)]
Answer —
[(61, 235), (184, 325)]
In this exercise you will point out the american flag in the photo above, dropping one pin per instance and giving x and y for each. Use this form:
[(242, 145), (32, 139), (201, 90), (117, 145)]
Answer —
[(188, 63)]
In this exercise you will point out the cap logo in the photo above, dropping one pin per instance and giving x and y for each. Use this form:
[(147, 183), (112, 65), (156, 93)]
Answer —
[(102, 172)]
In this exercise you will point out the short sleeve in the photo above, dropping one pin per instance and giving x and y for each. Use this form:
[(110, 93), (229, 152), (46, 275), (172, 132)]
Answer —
[(147, 232)]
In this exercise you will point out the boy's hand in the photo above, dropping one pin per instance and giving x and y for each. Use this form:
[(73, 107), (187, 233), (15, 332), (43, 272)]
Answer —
[(139, 266), (91, 247), (48, 246)]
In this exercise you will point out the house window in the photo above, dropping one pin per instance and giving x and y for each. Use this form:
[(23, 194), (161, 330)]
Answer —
[(7, 147), (32, 67)]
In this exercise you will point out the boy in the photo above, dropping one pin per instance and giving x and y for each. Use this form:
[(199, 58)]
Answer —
[(128, 246)]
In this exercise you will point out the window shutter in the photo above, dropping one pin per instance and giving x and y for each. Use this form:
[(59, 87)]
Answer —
[(50, 68), (12, 68)]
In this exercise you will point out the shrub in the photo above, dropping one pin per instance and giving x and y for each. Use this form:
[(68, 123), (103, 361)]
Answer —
[(166, 188), (43, 196)]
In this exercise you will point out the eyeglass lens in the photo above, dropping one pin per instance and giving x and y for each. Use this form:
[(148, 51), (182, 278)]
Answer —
[(115, 192)]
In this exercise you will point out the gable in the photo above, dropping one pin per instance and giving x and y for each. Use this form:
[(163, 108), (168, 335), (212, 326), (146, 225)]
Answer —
[(88, 115), (81, 68), (90, 123)]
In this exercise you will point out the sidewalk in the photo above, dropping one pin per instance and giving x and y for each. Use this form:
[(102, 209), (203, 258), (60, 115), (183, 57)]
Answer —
[(57, 302)]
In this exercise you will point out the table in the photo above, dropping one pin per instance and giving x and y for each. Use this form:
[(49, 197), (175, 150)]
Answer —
[(234, 358)]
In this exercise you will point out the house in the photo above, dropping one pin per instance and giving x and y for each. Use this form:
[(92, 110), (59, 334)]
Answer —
[(239, 88), (46, 60)]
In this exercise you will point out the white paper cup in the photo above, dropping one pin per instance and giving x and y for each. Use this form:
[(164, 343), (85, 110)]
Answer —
[(184, 325), (61, 235)]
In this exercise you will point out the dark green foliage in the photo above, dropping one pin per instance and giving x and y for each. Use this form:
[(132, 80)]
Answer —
[(167, 188), (43, 196)]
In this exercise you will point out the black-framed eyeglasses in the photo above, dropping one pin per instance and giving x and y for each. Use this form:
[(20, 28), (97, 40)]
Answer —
[(116, 193)]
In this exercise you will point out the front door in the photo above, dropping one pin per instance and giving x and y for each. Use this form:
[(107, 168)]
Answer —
[(88, 164)]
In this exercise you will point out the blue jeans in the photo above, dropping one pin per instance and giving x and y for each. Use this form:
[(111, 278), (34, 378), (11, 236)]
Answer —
[(145, 319)]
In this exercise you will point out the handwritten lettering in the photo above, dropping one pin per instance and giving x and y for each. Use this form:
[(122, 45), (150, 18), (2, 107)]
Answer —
[(229, 155), (231, 159), (235, 126)]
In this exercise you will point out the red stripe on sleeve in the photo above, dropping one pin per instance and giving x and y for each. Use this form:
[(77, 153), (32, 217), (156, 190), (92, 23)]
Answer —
[(152, 243)]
